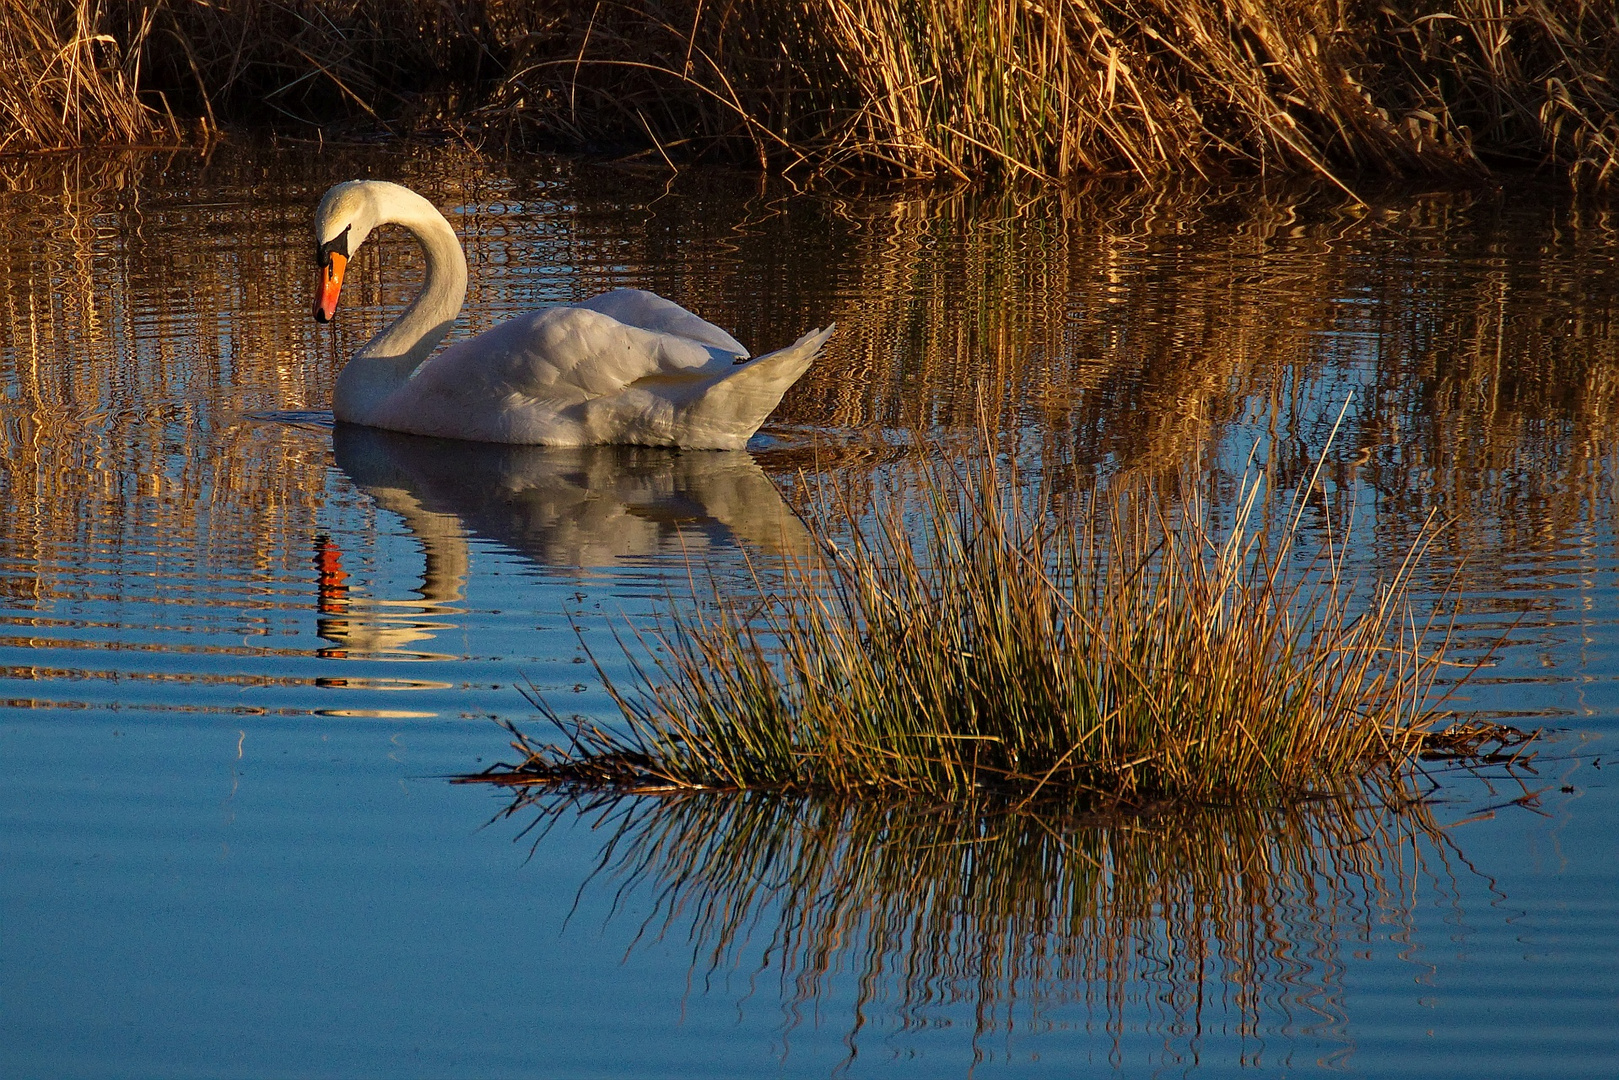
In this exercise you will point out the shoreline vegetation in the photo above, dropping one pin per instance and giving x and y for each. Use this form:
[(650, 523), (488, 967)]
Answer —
[(1468, 90), (1112, 646)]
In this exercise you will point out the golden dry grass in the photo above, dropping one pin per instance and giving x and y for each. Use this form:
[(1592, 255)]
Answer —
[(65, 79), (949, 87)]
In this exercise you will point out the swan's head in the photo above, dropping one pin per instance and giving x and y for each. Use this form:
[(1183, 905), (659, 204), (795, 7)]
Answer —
[(347, 214)]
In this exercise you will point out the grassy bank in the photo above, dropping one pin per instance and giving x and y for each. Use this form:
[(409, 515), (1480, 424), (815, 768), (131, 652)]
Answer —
[(1121, 647), (949, 87)]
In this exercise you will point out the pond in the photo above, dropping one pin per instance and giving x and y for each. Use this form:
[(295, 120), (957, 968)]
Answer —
[(242, 648)]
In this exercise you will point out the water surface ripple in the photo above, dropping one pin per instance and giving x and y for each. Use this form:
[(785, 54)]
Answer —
[(241, 646)]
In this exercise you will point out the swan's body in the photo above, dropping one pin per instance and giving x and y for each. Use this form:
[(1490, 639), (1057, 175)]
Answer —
[(623, 367)]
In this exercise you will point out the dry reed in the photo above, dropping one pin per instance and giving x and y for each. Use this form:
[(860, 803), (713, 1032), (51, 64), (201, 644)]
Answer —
[(65, 79), (949, 87)]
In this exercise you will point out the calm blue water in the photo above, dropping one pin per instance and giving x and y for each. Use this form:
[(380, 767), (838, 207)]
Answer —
[(240, 650)]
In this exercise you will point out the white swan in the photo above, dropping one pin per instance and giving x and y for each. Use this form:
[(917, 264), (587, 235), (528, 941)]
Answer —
[(623, 367)]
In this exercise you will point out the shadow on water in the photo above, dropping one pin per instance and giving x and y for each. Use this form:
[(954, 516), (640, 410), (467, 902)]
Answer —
[(1184, 924)]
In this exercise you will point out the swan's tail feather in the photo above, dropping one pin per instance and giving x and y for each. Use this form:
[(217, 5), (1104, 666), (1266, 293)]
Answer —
[(731, 409)]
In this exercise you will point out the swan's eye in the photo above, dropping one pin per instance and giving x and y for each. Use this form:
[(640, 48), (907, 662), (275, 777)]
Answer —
[(337, 245)]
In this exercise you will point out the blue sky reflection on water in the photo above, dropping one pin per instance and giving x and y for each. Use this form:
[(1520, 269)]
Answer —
[(240, 650)]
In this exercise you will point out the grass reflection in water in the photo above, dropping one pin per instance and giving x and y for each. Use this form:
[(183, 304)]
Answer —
[(1188, 923)]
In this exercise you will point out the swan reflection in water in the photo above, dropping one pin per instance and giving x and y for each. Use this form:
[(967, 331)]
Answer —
[(1163, 935), (579, 508)]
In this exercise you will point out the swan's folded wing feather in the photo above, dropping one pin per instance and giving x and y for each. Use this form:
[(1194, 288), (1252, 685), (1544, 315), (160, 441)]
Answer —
[(649, 311), (566, 355)]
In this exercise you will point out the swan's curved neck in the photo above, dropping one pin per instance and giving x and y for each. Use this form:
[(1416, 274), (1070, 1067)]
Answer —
[(387, 360)]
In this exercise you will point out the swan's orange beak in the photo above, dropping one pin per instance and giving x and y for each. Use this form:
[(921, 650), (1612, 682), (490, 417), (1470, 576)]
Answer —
[(328, 283)]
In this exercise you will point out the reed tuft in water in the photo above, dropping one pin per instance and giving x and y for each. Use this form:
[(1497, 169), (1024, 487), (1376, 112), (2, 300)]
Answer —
[(1124, 647)]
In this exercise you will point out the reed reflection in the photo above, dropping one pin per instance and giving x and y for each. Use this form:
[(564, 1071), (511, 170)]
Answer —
[(576, 509), (1184, 924), (145, 312), (1131, 326)]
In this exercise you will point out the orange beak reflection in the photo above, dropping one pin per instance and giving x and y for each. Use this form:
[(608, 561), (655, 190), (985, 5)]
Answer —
[(328, 283)]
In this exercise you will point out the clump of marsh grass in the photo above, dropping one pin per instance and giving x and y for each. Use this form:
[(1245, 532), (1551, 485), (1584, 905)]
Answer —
[(1123, 645)]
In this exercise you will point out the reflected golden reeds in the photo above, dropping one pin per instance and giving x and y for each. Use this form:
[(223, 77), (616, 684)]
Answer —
[(1187, 923), (125, 426), (154, 303), (151, 311), (1139, 331)]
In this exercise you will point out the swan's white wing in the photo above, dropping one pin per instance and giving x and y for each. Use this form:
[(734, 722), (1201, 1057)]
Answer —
[(649, 311), (572, 376), (560, 355)]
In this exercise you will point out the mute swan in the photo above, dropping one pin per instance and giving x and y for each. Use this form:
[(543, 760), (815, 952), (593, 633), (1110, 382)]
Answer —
[(624, 367)]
